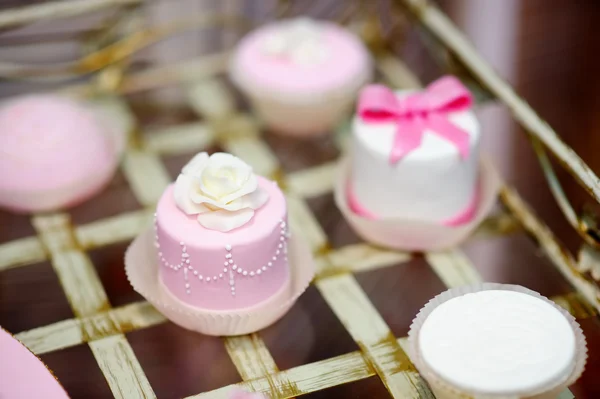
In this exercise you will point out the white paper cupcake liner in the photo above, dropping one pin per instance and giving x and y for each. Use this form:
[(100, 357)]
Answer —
[(414, 235), (141, 266), (444, 390)]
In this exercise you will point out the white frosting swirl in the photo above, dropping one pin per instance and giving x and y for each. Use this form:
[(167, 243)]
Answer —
[(299, 41), (221, 189)]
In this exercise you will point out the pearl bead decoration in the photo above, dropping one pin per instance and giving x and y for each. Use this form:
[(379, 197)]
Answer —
[(230, 266)]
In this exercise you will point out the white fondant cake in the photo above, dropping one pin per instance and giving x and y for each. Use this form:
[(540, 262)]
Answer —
[(433, 182), (498, 342)]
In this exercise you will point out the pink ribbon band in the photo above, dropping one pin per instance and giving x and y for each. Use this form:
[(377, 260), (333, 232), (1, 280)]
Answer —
[(426, 110)]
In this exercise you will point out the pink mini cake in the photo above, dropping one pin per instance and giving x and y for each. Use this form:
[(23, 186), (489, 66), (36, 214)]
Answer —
[(221, 235), (301, 76), (54, 152)]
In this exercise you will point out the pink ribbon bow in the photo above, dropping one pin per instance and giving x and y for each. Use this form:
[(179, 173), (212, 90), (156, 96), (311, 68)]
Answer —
[(427, 110)]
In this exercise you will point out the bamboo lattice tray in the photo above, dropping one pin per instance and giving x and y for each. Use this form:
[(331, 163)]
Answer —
[(64, 293)]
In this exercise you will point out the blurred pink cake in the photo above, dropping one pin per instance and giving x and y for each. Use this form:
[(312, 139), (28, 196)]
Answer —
[(221, 235), (55, 152), (301, 75)]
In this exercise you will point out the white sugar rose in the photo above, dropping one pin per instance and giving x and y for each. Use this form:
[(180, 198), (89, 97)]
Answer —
[(221, 189), (299, 40)]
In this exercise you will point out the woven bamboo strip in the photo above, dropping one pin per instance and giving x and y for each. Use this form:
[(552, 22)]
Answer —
[(116, 112), (74, 269), (396, 73), (147, 176), (87, 297), (140, 315), (303, 379), (54, 232), (121, 368), (72, 332), (358, 258), (239, 133), (23, 251), (566, 394), (57, 9), (163, 76), (239, 124), (500, 223), (250, 356), (80, 282), (180, 139), (303, 220), (575, 304), (119, 228), (211, 99), (351, 305), (453, 268), (112, 230), (255, 152), (52, 337), (589, 262), (316, 376), (559, 256), (312, 182)]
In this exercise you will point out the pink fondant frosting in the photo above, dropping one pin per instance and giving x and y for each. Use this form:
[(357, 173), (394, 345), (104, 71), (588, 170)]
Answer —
[(346, 59), (23, 375), (48, 142), (223, 270)]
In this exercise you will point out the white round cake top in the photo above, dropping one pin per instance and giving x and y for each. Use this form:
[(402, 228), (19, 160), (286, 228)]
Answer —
[(497, 342)]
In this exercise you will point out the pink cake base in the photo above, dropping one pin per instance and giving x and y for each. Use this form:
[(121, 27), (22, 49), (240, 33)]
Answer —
[(141, 266), (412, 235)]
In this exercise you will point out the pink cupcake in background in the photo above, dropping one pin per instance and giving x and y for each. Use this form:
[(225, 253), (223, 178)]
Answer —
[(54, 152), (301, 76)]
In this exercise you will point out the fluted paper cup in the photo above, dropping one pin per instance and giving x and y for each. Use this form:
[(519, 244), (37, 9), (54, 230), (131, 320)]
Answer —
[(444, 390), (414, 235), (141, 265)]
